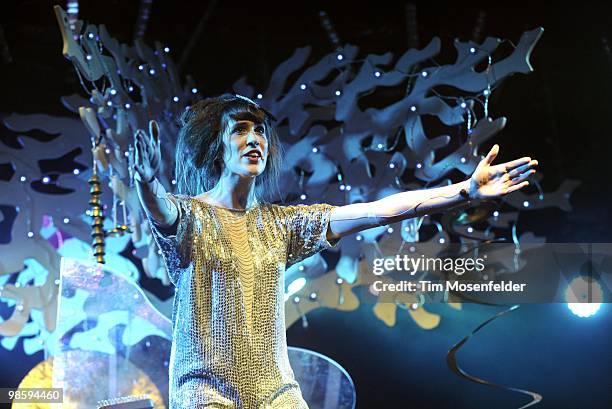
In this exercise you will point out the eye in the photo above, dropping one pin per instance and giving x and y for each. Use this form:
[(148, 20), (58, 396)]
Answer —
[(260, 129)]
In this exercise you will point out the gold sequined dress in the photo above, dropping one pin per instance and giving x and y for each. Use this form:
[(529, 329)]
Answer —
[(229, 347)]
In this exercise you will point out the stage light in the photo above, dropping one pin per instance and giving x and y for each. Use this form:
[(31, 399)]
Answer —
[(76, 171), (313, 296), (90, 36), (109, 103), (259, 96), (424, 73), (470, 229), (419, 166), (463, 105), (194, 90), (295, 286), (390, 230), (23, 178), (340, 57), (66, 220), (46, 180), (166, 49), (380, 146), (342, 187), (302, 86), (441, 240), (358, 237), (486, 92), (392, 165), (315, 150), (30, 234), (462, 159), (141, 67), (338, 93), (526, 203), (472, 50), (348, 187), (413, 108), (173, 182), (303, 197), (175, 99), (152, 71), (377, 74), (113, 91), (495, 213), (127, 106), (584, 296), (88, 57)]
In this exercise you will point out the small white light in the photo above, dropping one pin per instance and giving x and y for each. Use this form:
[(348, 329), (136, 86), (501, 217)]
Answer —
[(392, 165), (462, 159), (441, 240), (414, 306), (57, 281), (127, 105), (302, 86), (315, 150), (20, 307), (126, 154), (390, 230), (259, 96), (175, 99), (107, 151), (113, 91), (173, 181), (76, 171), (46, 179), (377, 74), (339, 280), (340, 57), (141, 67), (296, 299), (380, 146), (348, 187), (194, 90), (486, 92), (167, 49), (88, 57), (526, 203), (358, 237), (30, 234), (23, 178), (130, 88), (90, 36), (472, 50), (152, 71), (413, 108), (66, 220), (313, 296), (470, 230), (419, 166), (338, 93), (463, 105), (342, 187), (301, 268), (424, 73), (303, 196), (109, 103), (495, 213)]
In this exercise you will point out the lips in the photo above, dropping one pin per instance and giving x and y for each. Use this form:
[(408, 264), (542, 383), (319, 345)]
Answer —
[(253, 154)]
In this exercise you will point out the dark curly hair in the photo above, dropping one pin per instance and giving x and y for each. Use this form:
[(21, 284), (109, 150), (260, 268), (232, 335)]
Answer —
[(199, 149)]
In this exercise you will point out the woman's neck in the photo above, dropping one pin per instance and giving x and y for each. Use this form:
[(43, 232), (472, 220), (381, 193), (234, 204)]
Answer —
[(233, 192)]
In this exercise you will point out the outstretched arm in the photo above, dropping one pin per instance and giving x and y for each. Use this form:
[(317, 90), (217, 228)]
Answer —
[(152, 194), (487, 181)]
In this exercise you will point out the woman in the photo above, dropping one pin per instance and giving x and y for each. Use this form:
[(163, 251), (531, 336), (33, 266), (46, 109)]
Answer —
[(226, 249)]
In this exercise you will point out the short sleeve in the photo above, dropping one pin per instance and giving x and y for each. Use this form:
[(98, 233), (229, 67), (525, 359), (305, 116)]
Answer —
[(174, 241), (307, 230)]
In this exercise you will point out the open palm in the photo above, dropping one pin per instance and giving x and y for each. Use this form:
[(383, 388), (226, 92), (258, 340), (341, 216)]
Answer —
[(490, 181)]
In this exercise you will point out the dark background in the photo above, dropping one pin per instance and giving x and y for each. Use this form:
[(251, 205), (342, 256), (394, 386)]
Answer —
[(558, 114)]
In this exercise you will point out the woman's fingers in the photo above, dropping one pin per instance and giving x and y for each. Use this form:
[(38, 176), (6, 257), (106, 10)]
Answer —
[(521, 169), (492, 154), (514, 188)]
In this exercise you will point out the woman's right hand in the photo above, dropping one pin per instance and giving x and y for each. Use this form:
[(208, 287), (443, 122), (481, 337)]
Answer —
[(147, 159)]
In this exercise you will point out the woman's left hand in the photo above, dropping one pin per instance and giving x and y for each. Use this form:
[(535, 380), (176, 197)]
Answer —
[(490, 181)]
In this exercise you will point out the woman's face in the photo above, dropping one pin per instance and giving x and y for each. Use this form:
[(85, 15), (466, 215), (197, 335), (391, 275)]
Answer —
[(246, 147)]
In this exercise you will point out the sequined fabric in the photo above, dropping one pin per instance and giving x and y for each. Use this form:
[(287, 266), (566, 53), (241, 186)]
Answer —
[(229, 346)]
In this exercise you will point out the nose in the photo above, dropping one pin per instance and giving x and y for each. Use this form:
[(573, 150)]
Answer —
[(252, 139)]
